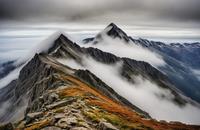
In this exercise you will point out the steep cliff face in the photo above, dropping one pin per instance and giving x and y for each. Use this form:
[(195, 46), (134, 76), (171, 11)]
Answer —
[(57, 96)]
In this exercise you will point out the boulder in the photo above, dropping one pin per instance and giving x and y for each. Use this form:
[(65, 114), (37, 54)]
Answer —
[(67, 122), (106, 126), (51, 128), (32, 116), (79, 128), (61, 103)]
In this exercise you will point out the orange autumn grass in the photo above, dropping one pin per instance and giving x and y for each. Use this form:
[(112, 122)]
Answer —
[(82, 89), (79, 88)]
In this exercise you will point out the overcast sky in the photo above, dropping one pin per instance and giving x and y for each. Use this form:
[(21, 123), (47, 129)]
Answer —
[(91, 10), (163, 19)]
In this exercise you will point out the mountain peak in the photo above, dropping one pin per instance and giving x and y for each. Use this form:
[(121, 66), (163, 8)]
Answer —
[(62, 37), (61, 40), (112, 25), (114, 31)]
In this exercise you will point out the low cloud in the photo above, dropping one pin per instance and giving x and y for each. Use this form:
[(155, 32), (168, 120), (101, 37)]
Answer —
[(120, 48), (26, 57), (10, 77), (142, 93), (18, 113), (196, 73), (42, 46)]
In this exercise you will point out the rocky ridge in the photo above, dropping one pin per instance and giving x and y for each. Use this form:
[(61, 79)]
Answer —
[(60, 97)]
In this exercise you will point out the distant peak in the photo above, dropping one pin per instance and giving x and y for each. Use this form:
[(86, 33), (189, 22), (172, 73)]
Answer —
[(61, 40), (62, 36), (114, 31), (112, 25)]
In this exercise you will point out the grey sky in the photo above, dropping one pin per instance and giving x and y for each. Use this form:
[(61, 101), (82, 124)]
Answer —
[(167, 20), (155, 11)]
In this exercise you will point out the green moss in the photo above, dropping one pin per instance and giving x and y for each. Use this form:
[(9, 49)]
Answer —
[(93, 117), (113, 119), (96, 115), (59, 110)]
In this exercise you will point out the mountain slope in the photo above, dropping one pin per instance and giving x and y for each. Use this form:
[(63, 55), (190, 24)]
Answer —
[(181, 59), (77, 105), (80, 106)]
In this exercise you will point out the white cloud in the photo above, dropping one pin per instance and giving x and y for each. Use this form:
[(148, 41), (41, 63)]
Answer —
[(26, 57), (196, 73), (122, 49), (142, 93), (10, 77), (17, 115), (40, 47)]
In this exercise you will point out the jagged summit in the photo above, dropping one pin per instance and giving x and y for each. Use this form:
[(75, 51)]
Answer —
[(59, 41), (115, 31), (64, 47), (112, 24), (111, 30)]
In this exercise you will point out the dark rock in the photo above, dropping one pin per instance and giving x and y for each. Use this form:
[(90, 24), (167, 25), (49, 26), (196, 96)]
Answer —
[(117, 32), (8, 126)]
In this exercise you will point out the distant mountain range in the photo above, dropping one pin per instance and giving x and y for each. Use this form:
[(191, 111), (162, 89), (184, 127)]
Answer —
[(70, 86), (182, 60)]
